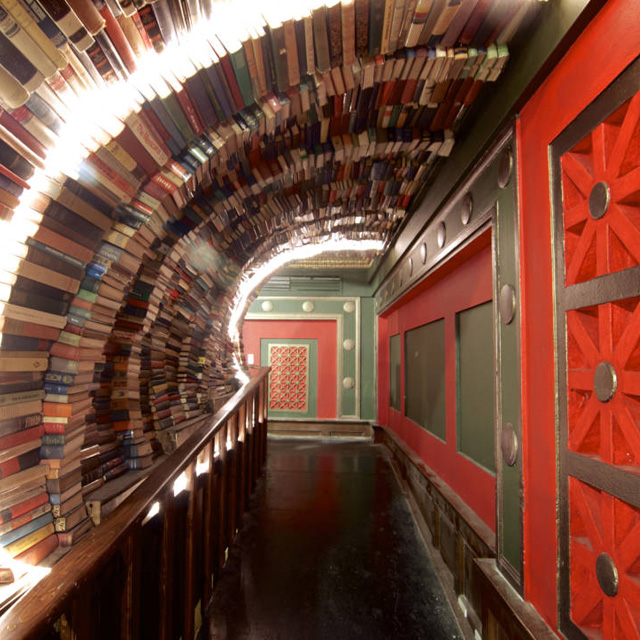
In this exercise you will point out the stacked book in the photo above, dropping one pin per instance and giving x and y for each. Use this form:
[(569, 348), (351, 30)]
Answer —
[(118, 294), (26, 520)]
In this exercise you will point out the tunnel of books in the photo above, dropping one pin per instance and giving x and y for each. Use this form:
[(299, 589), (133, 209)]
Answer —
[(153, 156)]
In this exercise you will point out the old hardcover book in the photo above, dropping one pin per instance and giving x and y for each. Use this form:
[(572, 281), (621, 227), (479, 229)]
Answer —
[(39, 551), (27, 542), (19, 458), (28, 476), (321, 39), (71, 519), (25, 518), (279, 55), (334, 25), (71, 536), (22, 503), (376, 22)]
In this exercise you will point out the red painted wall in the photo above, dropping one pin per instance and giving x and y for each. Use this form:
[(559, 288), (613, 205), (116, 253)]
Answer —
[(601, 52), (324, 331), (467, 285)]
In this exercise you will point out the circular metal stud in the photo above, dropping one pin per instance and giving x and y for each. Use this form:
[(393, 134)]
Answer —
[(348, 383), (467, 209), (423, 252), (505, 165), (599, 200), (605, 381), (507, 304), (607, 574), (441, 234), (348, 344), (509, 444)]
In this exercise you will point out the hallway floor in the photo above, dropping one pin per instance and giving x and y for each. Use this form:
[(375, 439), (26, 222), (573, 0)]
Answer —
[(330, 550)]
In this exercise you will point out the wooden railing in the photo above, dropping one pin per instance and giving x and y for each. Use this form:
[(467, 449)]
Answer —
[(140, 575)]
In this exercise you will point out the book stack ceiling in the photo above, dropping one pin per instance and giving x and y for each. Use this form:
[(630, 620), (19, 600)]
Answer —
[(152, 154)]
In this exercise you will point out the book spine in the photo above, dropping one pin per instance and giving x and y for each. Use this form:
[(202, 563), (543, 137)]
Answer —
[(26, 529), (20, 509), (26, 542), (68, 23), (19, 463), (334, 26), (39, 551)]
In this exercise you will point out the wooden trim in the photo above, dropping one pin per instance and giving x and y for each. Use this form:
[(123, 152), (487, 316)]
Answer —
[(80, 571)]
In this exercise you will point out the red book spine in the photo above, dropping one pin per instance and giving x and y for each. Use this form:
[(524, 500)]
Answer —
[(19, 463), (153, 190), (37, 553), (154, 134), (190, 111), (120, 42), (11, 124), (23, 507), (111, 175), (232, 82), (14, 439), (155, 121), (134, 148), (474, 22), (135, 16)]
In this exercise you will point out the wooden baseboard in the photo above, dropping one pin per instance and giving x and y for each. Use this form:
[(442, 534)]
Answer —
[(455, 534), (505, 615), (463, 547), (320, 429)]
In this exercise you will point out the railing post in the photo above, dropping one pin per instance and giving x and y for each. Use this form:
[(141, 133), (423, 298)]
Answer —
[(189, 570), (130, 603), (232, 475), (263, 420), (223, 496), (124, 573), (208, 524), (166, 571)]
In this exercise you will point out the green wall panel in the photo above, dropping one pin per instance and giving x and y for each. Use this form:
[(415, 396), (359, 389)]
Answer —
[(395, 384), (424, 359), (355, 342), (368, 365), (475, 392)]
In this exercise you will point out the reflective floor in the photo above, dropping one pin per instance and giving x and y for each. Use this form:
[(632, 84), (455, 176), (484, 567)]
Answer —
[(330, 550)]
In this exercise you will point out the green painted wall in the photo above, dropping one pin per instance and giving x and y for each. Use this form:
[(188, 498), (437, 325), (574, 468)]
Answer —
[(312, 385), (357, 328)]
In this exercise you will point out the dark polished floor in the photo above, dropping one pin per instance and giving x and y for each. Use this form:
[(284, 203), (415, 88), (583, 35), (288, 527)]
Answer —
[(330, 551)]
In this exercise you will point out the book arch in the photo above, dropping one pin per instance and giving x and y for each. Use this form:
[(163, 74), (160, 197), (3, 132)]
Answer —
[(149, 162)]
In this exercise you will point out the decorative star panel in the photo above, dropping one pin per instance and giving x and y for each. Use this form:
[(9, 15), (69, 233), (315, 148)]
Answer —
[(605, 337), (605, 564), (289, 378), (601, 197)]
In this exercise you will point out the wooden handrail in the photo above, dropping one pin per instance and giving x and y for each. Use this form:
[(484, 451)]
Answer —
[(238, 430)]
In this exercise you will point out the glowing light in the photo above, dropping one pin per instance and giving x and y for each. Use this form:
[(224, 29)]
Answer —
[(254, 275), (23, 573), (202, 467), (154, 510), (181, 483)]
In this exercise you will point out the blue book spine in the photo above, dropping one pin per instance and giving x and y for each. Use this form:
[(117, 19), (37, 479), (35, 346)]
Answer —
[(25, 529), (218, 88)]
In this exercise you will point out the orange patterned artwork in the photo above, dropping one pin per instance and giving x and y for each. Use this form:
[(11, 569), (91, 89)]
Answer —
[(289, 377), (601, 222), (601, 192)]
